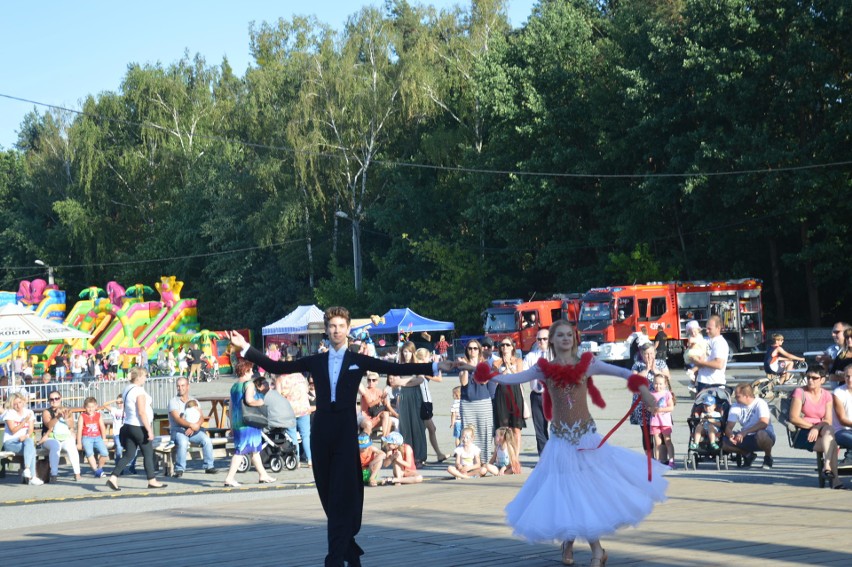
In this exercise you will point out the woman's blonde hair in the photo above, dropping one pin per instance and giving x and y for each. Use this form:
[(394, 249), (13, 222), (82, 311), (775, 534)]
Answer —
[(422, 355), (137, 373), (564, 323)]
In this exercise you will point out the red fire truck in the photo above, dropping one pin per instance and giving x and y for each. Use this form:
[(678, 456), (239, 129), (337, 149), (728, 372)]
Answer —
[(610, 317), (521, 319)]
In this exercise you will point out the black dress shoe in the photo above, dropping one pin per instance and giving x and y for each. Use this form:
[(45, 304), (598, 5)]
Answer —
[(211, 470), (177, 474)]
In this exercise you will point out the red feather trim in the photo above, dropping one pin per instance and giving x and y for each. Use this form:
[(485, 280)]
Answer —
[(565, 375), (483, 373), (595, 394), (635, 381), (547, 404)]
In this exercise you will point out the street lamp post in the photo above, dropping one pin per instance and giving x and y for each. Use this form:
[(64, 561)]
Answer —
[(356, 247), (49, 271)]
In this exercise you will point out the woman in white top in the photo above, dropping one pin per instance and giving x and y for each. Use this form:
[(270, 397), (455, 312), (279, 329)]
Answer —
[(843, 414), (18, 435), (137, 430)]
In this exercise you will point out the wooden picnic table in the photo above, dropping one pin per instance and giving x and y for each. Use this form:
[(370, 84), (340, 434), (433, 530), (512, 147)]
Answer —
[(218, 415)]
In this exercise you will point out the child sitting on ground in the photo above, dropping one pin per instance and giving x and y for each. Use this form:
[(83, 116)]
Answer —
[(709, 426), (467, 462), (400, 457), (504, 459), (371, 460), (455, 416), (91, 436)]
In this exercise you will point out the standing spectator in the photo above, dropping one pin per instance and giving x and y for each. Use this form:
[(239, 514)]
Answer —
[(843, 415), (113, 358), (137, 431), (78, 366), (441, 347), (537, 389), (143, 359), (91, 437), (295, 388), (811, 410), (755, 433), (661, 421), (410, 400), (661, 343), (488, 354), (58, 435), (826, 358), (185, 431), (183, 365), (649, 366), (61, 368), (455, 416), (194, 358), (711, 370), (247, 439), (116, 411), (509, 398), (476, 401), (19, 423), (426, 411)]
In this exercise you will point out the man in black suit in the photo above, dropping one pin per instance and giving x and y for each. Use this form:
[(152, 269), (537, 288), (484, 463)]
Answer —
[(334, 432)]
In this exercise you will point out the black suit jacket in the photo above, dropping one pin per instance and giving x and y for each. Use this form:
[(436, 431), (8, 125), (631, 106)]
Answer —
[(352, 370)]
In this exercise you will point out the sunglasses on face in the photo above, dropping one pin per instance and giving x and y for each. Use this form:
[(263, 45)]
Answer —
[(473, 348), (541, 339), (54, 399), (372, 380), (505, 345)]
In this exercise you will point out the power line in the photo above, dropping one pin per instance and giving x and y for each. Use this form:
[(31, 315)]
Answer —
[(455, 169), (155, 260)]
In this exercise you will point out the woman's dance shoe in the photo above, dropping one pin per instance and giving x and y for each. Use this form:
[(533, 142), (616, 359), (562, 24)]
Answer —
[(567, 552), (599, 561), (232, 484)]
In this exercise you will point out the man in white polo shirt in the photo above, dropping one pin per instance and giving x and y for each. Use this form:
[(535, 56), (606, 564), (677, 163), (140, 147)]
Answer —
[(711, 370)]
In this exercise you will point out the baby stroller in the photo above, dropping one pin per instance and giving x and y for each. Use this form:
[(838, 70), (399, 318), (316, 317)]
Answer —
[(277, 452), (705, 452)]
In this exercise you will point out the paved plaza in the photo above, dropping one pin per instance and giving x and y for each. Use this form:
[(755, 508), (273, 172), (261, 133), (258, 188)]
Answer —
[(735, 517)]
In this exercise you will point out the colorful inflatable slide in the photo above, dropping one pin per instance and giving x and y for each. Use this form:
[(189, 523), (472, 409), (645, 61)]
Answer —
[(114, 317)]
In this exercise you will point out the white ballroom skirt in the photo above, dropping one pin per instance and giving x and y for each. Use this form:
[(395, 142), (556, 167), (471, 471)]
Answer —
[(573, 494)]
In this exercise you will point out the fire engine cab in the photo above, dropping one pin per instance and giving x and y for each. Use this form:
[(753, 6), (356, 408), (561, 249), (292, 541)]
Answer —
[(521, 319), (612, 318)]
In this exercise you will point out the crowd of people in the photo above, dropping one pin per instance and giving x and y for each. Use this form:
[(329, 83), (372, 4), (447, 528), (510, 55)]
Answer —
[(391, 422)]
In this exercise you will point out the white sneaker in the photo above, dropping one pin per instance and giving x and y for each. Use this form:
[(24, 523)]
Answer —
[(36, 481), (28, 473)]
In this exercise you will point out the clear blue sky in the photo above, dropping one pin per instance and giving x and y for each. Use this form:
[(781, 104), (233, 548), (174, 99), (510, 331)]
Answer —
[(57, 52)]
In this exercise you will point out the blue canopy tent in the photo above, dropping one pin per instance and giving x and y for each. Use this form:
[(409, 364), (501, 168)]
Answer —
[(398, 321)]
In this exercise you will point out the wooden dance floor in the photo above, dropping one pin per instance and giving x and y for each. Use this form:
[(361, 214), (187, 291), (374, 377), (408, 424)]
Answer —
[(710, 519)]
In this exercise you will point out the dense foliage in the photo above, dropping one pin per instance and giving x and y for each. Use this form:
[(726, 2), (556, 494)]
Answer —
[(604, 142)]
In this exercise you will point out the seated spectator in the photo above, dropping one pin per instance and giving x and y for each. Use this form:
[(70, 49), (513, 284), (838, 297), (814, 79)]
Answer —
[(468, 462), (19, 423), (710, 425), (371, 460), (374, 404), (755, 430), (58, 434), (279, 411), (185, 431), (504, 459), (778, 360), (827, 358), (811, 411), (400, 457), (843, 416), (392, 397), (844, 357), (91, 437)]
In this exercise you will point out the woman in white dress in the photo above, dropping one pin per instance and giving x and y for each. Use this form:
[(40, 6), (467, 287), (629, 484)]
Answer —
[(600, 488)]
